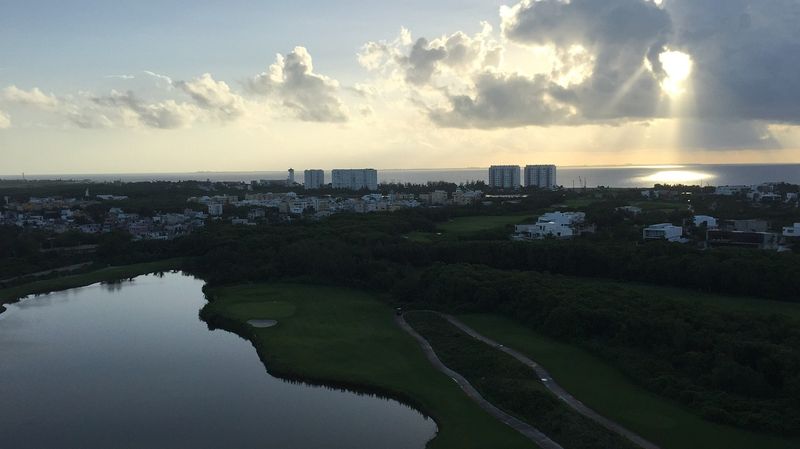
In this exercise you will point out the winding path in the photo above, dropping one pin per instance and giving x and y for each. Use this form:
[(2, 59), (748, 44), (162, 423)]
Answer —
[(522, 427), (555, 388)]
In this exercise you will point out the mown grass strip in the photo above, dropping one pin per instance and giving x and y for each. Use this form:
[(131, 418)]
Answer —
[(512, 386)]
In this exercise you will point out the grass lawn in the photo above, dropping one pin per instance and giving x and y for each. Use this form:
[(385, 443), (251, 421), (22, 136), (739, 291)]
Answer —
[(660, 205), (78, 280), (609, 392), (424, 237), (346, 337), (581, 202), (482, 223)]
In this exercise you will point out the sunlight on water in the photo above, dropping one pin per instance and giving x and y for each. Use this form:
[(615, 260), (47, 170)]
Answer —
[(677, 177)]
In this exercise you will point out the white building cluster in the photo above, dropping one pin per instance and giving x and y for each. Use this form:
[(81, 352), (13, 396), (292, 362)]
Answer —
[(59, 215), (559, 225), (291, 204)]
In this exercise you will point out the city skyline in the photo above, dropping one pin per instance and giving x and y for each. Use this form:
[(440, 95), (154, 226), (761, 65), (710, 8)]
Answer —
[(131, 88)]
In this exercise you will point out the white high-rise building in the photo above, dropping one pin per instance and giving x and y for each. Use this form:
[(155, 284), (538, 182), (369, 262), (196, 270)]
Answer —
[(504, 176), (355, 179), (543, 176), (313, 179), (290, 178)]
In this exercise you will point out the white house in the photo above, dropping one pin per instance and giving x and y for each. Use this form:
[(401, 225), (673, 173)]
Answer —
[(792, 231), (566, 218), (561, 225), (731, 190), (663, 231), (710, 222)]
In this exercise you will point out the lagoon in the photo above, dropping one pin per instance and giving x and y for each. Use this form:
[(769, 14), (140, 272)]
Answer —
[(130, 365)]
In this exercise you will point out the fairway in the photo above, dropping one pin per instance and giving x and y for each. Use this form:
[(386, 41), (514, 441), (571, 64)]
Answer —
[(345, 337), (483, 223), (609, 392)]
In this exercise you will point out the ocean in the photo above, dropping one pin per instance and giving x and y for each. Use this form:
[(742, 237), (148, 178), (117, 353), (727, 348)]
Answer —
[(590, 176)]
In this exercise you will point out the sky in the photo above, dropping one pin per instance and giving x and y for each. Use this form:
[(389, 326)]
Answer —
[(180, 86)]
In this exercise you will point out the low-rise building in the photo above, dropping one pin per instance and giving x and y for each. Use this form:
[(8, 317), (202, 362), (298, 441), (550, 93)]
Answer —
[(744, 239), (632, 210), (792, 231), (560, 225), (215, 209), (750, 225), (663, 231), (709, 222)]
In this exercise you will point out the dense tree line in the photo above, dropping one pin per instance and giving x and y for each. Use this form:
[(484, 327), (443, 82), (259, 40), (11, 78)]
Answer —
[(725, 270)]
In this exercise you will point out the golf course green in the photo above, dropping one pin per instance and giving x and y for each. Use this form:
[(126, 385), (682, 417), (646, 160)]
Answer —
[(348, 338)]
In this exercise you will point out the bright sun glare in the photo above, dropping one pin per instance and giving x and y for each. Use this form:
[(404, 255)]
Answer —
[(677, 177), (678, 67)]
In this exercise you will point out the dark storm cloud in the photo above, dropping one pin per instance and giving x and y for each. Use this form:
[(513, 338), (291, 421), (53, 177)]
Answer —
[(620, 35), (747, 56)]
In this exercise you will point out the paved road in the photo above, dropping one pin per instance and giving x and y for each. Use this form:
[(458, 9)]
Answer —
[(524, 428), (556, 389)]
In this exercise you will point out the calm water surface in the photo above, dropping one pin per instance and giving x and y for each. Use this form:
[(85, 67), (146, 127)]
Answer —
[(131, 366), (612, 176)]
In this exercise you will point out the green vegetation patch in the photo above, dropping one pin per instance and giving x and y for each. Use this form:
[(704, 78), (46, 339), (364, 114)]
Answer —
[(512, 386), (609, 392), (78, 280), (482, 223), (346, 337)]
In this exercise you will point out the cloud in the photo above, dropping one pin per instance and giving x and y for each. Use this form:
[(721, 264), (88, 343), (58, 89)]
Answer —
[(508, 101), (606, 67), (724, 134), (163, 80), (457, 53), (214, 96), (34, 97), (307, 95), (5, 120), (747, 57), (124, 109), (121, 77)]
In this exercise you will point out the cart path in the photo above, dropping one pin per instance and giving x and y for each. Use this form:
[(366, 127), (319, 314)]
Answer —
[(554, 387), (522, 427)]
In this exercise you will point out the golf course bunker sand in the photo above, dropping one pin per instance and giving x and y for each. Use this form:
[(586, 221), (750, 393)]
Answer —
[(262, 323)]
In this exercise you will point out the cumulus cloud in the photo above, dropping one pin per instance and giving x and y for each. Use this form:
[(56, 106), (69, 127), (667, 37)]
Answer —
[(5, 120), (508, 101), (33, 97), (125, 109), (292, 82), (214, 96), (417, 63)]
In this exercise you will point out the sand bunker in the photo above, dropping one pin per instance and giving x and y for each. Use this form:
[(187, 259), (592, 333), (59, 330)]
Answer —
[(262, 323)]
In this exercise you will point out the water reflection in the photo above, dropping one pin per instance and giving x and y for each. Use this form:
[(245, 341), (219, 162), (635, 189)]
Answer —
[(138, 369), (677, 177)]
